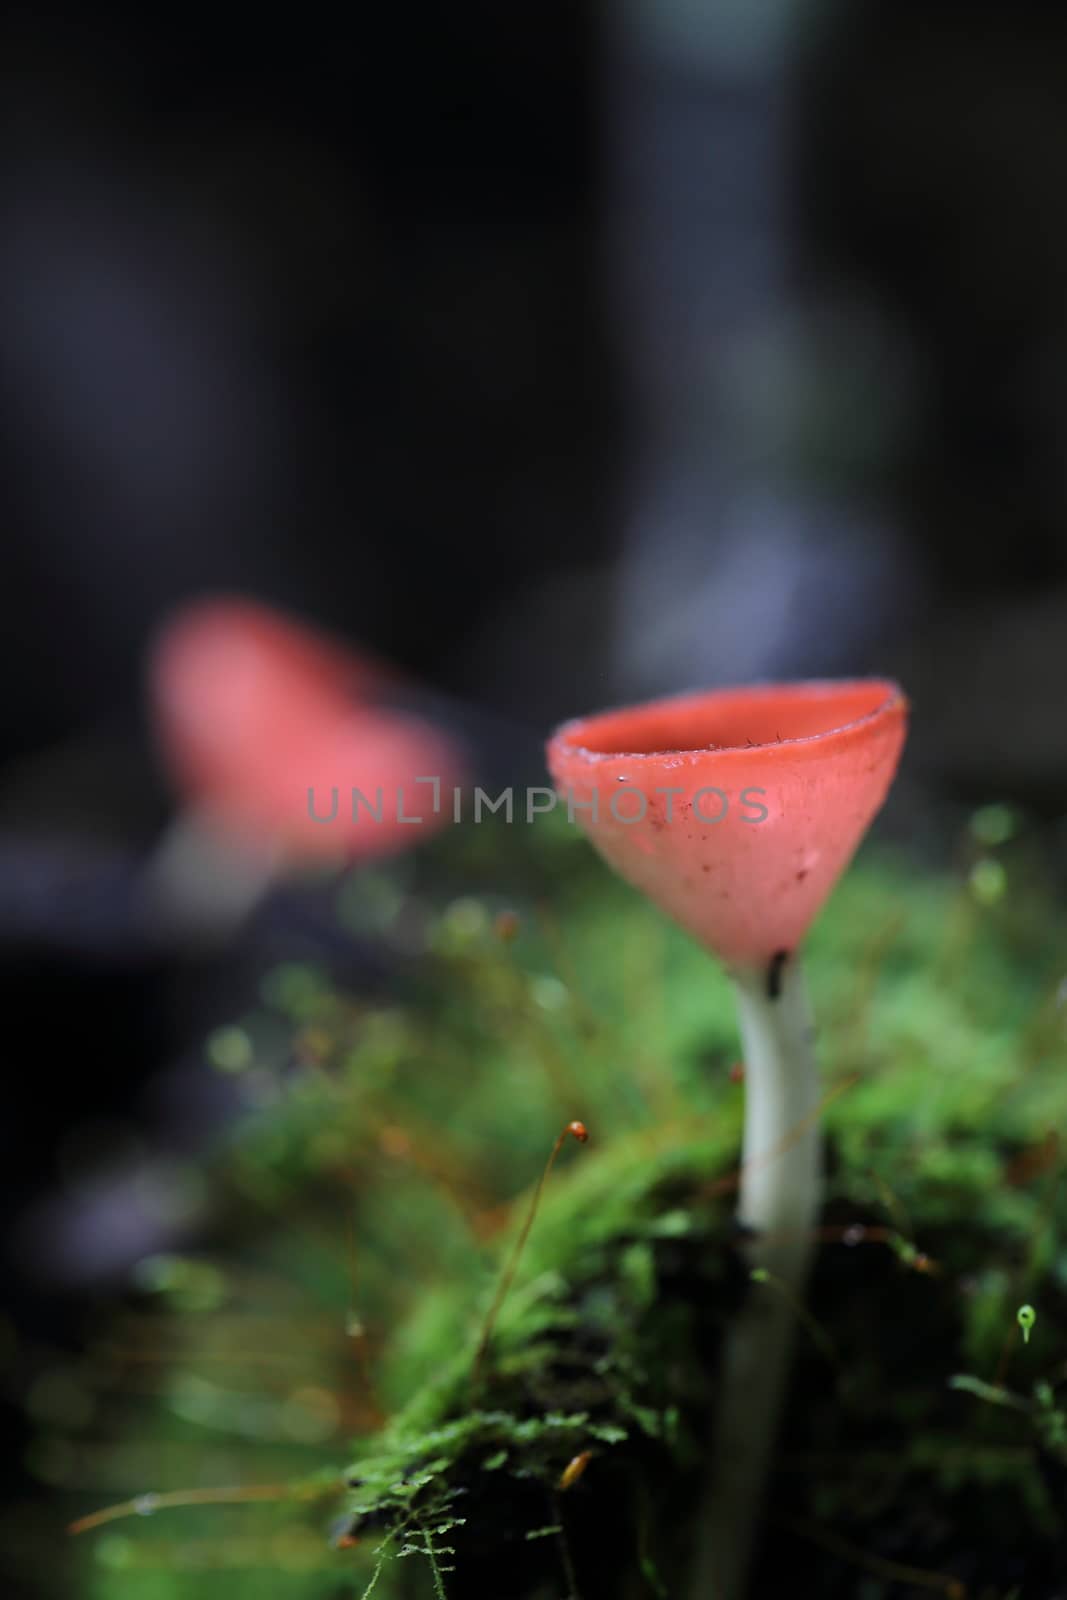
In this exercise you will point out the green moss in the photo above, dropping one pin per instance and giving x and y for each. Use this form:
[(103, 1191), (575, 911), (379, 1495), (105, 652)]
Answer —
[(416, 1128)]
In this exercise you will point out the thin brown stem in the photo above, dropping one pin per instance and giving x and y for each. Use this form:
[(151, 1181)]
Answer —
[(578, 1131), (144, 1505)]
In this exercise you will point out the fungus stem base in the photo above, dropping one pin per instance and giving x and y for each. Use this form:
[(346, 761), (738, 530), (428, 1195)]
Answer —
[(780, 1195)]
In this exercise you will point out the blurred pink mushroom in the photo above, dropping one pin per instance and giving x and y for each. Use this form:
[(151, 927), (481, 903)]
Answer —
[(284, 750), (736, 811)]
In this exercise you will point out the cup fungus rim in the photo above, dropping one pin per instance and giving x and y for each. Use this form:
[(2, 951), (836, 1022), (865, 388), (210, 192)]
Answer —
[(567, 738)]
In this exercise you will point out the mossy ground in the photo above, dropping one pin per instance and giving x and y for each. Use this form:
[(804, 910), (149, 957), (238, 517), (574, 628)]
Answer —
[(322, 1338)]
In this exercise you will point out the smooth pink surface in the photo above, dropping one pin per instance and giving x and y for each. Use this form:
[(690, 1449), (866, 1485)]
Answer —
[(252, 710), (823, 754)]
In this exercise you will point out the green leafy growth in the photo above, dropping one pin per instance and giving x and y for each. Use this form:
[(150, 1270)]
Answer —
[(361, 1208)]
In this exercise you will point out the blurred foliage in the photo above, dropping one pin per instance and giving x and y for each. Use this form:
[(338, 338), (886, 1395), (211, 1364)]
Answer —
[(314, 1352)]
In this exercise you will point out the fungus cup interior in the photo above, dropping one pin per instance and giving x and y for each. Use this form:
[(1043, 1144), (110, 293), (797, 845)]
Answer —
[(735, 810)]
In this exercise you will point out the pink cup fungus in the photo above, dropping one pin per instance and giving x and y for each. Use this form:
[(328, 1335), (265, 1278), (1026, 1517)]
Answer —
[(736, 811), (270, 731)]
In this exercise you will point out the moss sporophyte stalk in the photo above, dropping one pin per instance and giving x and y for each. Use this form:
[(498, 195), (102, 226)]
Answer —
[(574, 1130), (823, 755)]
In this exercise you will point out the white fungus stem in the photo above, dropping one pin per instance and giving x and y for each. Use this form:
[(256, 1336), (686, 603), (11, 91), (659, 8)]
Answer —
[(781, 1187), (200, 886)]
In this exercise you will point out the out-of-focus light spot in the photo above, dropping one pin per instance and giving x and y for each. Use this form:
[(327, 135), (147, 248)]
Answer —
[(159, 1273), (988, 881), (296, 989), (114, 1551), (549, 993), (369, 902), (190, 1285), (993, 825), (463, 924), (230, 1050), (383, 1039), (193, 1399), (209, 1405), (310, 1416)]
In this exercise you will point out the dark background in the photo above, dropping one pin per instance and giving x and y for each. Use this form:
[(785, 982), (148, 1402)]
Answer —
[(556, 355)]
